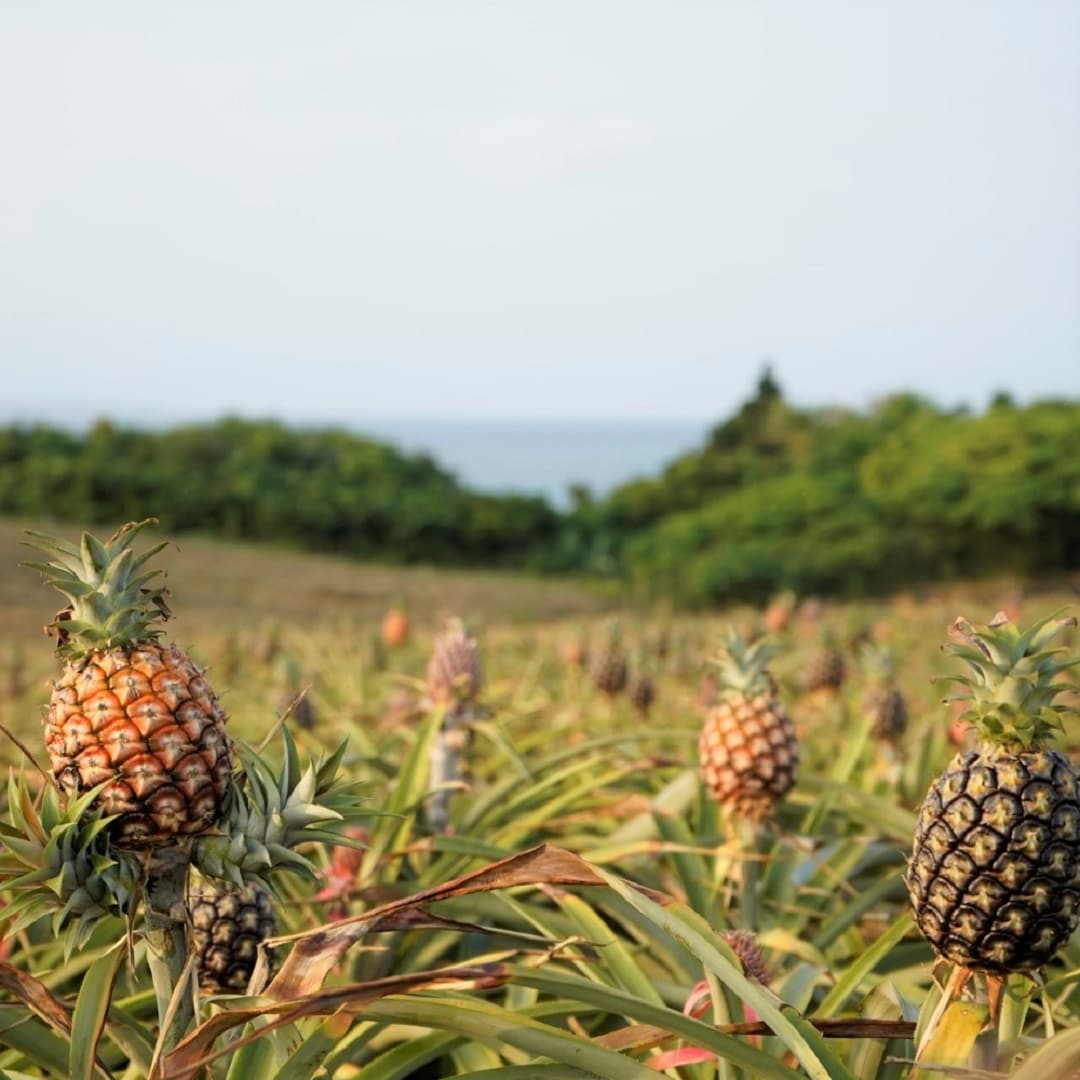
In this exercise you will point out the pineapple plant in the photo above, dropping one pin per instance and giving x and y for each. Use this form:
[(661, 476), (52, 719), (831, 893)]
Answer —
[(994, 877), (608, 668), (749, 752), (229, 924), (882, 700), (130, 715)]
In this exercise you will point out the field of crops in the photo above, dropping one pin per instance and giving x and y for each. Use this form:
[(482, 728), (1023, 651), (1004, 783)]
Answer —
[(571, 900)]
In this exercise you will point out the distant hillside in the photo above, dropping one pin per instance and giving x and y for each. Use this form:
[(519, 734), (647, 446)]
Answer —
[(826, 500)]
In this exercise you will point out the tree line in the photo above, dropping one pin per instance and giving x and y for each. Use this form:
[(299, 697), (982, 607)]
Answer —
[(830, 501)]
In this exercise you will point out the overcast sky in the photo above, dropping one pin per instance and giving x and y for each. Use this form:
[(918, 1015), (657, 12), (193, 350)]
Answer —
[(541, 209)]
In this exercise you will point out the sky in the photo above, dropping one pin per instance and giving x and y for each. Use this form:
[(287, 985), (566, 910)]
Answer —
[(544, 209)]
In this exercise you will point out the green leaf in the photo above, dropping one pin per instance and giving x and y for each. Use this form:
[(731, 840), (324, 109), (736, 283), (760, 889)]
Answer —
[(91, 1009), (818, 1062), (869, 959), (496, 1027)]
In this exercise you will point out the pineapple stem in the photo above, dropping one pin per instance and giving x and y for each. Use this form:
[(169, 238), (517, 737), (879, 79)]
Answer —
[(444, 765), (984, 1054), (749, 835), (167, 941)]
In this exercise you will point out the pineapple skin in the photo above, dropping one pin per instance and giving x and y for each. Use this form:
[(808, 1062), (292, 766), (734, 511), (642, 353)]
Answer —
[(994, 877), (228, 926), (749, 752), (609, 671), (144, 722)]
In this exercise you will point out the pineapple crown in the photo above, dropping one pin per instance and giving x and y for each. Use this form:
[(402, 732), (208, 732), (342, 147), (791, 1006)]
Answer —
[(741, 667), (110, 602), (1010, 685), (56, 862), (271, 813)]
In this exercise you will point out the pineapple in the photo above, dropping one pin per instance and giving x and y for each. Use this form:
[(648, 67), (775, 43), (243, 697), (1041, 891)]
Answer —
[(882, 699), (454, 675), (394, 628), (130, 713), (642, 692), (825, 670), (608, 669), (749, 753), (994, 877), (291, 697), (228, 926)]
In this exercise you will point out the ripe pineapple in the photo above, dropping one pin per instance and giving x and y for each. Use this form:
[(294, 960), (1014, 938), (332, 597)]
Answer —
[(749, 753), (395, 629), (129, 712), (994, 877), (882, 699), (228, 925), (608, 668), (454, 675)]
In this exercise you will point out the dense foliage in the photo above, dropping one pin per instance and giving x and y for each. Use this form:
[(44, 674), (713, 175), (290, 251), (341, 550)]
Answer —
[(834, 501), (828, 501), (323, 490)]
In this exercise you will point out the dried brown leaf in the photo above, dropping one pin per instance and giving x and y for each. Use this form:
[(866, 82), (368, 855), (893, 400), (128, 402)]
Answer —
[(317, 952)]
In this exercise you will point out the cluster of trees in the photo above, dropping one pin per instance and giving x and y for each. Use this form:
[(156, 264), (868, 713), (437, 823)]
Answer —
[(323, 490), (825, 501), (835, 501)]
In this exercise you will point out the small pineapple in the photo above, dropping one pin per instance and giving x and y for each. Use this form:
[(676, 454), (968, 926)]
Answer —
[(825, 670), (395, 628), (641, 691), (608, 668), (454, 674), (882, 699), (291, 696), (749, 753), (994, 877), (229, 925), (128, 712)]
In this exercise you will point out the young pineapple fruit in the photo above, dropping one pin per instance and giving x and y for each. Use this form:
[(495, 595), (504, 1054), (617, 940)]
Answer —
[(454, 674), (608, 668), (129, 712), (994, 877), (882, 699), (825, 670), (290, 696), (641, 691), (749, 753), (228, 925)]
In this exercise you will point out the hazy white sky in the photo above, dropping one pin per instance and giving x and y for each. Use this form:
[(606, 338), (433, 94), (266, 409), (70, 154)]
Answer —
[(581, 208)]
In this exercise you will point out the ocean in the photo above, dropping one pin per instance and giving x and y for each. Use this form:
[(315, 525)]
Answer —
[(543, 457)]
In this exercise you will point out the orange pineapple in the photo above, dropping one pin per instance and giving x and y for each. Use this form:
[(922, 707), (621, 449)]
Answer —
[(128, 712)]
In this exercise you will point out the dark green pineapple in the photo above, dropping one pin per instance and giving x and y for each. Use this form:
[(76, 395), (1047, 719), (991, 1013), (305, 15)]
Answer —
[(994, 876)]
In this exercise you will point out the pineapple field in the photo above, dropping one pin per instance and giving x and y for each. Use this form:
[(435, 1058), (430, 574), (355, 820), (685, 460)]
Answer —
[(296, 817)]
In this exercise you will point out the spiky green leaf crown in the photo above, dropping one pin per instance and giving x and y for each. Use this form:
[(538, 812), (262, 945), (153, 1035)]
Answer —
[(741, 667), (110, 602), (1010, 685)]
